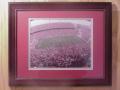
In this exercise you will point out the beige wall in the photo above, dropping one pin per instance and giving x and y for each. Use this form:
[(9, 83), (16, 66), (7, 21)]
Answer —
[(4, 49)]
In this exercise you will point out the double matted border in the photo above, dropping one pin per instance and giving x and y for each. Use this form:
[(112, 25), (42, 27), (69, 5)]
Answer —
[(61, 6)]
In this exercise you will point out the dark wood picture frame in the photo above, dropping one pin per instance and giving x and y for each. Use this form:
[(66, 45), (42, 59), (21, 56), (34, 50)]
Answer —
[(61, 6)]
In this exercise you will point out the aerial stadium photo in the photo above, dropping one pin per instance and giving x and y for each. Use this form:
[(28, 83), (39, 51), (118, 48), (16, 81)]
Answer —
[(60, 44)]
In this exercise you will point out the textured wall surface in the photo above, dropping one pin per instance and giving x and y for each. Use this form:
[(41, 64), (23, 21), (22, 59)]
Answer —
[(4, 48)]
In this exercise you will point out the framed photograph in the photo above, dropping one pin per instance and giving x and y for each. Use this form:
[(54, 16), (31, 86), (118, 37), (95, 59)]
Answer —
[(65, 43)]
